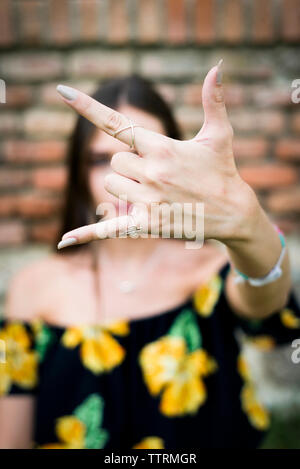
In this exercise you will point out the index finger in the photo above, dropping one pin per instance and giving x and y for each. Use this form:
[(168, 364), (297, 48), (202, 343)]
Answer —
[(107, 119), (112, 228)]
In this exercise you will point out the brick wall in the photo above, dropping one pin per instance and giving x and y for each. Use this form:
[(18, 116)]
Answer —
[(173, 42)]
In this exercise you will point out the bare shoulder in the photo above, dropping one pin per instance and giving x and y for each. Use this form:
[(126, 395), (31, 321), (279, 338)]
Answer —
[(29, 288)]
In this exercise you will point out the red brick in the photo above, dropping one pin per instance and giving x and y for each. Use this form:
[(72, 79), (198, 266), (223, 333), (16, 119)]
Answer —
[(165, 64), (286, 225), (11, 178), (118, 21), (10, 122), (49, 96), (263, 21), (267, 122), (8, 205), (288, 149), (295, 122), (60, 22), (29, 13), (192, 94), (50, 178), (205, 21), (45, 232), (271, 122), (18, 95), (290, 17), (189, 119), (263, 96), (251, 148), (26, 66), (234, 95), (148, 21), (12, 232), (36, 205), (22, 151), (176, 21), (284, 201), (269, 176), (168, 92), (88, 15), (100, 64), (247, 69), (6, 26), (232, 21), (42, 123)]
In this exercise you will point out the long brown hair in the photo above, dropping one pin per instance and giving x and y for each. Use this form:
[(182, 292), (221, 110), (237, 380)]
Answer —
[(133, 90)]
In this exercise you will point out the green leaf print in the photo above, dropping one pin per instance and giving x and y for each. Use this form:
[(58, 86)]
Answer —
[(96, 439), (186, 326), (90, 412), (44, 337)]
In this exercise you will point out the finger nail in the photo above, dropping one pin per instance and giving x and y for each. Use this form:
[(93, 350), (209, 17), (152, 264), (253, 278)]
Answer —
[(67, 92), (66, 242), (219, 73)]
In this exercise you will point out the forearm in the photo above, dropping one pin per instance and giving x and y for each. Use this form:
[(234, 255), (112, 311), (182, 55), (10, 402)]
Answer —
[(255, 255), (16, 422)]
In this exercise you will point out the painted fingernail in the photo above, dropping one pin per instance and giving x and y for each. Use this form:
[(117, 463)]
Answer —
[(66, 242), (69, 93), (219, 73)]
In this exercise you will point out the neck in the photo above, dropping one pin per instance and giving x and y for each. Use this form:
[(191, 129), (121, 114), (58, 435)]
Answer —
[(128, 248)]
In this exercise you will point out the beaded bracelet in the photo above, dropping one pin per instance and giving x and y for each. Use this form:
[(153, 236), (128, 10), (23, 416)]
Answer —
[(273, 275)]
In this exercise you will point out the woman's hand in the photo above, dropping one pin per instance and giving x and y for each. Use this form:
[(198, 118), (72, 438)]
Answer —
[(200, 170)]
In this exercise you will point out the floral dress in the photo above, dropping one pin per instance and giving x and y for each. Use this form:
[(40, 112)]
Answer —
[(176, 380)]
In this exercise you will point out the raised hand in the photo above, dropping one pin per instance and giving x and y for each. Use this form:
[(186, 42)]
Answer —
[(167, 171)]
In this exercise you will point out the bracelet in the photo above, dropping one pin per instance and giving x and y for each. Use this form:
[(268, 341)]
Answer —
[(273, 275)]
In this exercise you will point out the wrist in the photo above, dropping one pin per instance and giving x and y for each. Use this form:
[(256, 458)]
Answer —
[(256, 248), (247, 216)]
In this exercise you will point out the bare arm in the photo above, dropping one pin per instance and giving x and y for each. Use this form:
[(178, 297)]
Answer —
[(255, 255), (16, 422), (17, 410)]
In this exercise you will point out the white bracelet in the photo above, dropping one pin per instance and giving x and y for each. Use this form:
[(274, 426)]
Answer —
[(273, 275)]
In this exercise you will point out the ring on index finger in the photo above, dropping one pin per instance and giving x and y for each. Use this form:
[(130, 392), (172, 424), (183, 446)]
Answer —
[(133, 228), (130, 126)]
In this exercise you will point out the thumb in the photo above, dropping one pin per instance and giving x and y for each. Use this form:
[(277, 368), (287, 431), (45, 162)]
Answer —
[(213, 98)]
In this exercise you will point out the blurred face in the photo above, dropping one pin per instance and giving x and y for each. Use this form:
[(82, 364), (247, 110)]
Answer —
[(102, 147)]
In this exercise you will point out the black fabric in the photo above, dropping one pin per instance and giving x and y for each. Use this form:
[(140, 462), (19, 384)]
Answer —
[(116, 408)]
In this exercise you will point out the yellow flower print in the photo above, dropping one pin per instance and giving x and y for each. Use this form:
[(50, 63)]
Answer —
[(169, 369), (21, 362), (243, 368), (150, 442), (82, 429), (289, 319), (70, 431), (258, 416), (263, 342), (207, 295), (99, 351)]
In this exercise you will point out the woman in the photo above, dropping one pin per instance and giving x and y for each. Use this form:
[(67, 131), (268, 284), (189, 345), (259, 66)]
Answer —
[(130, 342)]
